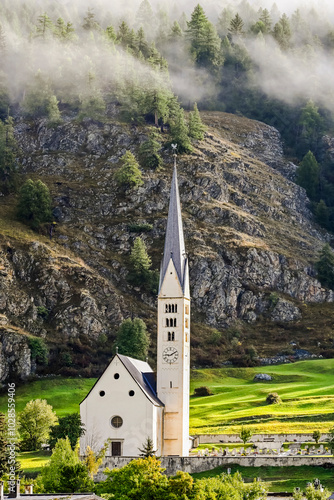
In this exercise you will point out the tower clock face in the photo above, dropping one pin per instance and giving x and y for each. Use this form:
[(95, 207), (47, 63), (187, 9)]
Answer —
[(170, 355)]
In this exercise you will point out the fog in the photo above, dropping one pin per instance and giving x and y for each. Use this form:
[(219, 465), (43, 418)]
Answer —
[(301, 73)]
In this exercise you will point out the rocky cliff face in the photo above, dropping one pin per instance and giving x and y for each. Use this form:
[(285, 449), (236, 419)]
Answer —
[(248, 230)]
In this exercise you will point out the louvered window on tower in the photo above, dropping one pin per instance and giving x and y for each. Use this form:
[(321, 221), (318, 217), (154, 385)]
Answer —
[(171, 336)]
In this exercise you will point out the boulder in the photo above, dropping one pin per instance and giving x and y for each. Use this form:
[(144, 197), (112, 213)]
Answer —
[(262, 377)]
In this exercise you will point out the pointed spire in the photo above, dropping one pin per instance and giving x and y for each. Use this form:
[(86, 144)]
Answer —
[(174, 240)]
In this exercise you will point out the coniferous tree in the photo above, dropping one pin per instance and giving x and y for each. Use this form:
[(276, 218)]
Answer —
[(175, 33), (37, 98), (266, 19), (89, 21), (196, 126), (179, 132), (53, 111), (149, 153), (224, 21), (133, 339), (236, 26), (308, 175), (282, 32), (92, 104), (145, 15), (129, 174), (311, 128), (8, 151), (147, 450), (205, 44), (111, 34), (142, 45), (325, 267), (44, 28), (34, 205), (64, 31)]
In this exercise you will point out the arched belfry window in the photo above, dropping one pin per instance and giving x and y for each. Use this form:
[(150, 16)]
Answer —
[(167, 321), (166, 308), (171, 336), (175, 308), (174, 322)]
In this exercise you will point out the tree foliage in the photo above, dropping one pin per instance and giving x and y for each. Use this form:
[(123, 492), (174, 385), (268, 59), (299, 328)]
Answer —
[(308, 175), (196, 126), (179, 132), (140, 267), (149, 156), (325, 267), (35, 422), (133, 339), (144, 478), (316, 436), (245, 434), (129, 174), (147, 450), (8, 152), (64, 471), (34, 205), (69, 427)]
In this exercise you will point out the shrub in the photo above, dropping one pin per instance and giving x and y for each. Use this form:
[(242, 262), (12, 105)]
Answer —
[(129, 174), (203, 391), (38, 350), (273, 398)]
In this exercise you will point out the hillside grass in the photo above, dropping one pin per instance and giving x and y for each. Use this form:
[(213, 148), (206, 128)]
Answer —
[(306, 389), (279, 479), (63, 394)]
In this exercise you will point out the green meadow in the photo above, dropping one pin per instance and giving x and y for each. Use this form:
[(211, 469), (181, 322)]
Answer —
[(306, 389)]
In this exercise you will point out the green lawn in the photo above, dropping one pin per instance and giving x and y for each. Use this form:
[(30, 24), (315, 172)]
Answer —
[(279, 479), (32, 461), (306, 388), (63, 394)]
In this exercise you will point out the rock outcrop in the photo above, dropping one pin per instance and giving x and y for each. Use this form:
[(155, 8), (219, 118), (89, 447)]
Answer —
[(249, 231)]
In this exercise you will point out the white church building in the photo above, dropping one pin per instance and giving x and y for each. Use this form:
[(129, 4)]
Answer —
[(129, 403)]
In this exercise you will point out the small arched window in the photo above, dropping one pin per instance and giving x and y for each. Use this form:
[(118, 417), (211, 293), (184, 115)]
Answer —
[(166, 308), (172, 308), (174, 322), (187, 309), (187, 323), (169, 337), (167, 322), (176, 308), (173, 335)]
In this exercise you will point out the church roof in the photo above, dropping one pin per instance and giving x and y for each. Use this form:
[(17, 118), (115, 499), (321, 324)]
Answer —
[(143, 375), (174, 240), (141, 372)]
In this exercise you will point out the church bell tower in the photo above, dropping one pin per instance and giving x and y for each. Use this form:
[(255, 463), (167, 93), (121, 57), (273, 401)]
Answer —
[(173, 349)]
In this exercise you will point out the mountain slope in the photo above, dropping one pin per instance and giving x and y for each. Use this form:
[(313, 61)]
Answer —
[(249, 234)]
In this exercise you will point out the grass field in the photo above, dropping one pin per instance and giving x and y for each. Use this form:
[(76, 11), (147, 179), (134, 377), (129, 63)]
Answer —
[(63, 394), (279, 479), (32, 461), (306, 388)]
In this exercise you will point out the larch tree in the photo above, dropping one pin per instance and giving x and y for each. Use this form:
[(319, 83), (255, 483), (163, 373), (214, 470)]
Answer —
[(149, 156), (282, 32), (133, 339), (308, 175), (236, 26), (325, 267), (205, 44), (196, 126), (129, 174), (179, 132), (8, 151)]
